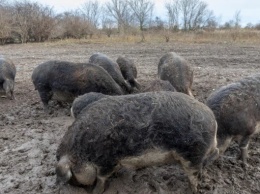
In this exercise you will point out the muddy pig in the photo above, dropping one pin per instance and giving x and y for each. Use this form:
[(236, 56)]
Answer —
[(64, 81), (112, 68), (159, 85), (140, 130), (128, 70), (237, 111), (177, 71), (83, 101), (7, 77)]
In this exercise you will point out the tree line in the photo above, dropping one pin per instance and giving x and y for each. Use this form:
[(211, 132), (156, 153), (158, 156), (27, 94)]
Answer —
[(27, 21)]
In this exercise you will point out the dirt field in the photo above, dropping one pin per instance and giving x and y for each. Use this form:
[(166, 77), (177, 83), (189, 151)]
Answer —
[(29, 138)]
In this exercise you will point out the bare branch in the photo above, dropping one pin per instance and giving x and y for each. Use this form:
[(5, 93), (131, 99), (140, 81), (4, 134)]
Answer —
[(142, 10), (119, 11), (91, 11), (194, 13)]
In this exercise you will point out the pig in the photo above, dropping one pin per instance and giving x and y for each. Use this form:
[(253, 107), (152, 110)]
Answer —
[(137, 130), (64, 81), (237, 111), (177, 71), (7, 77), (83, 101), (129, 71), (159, 85), (112, 68)]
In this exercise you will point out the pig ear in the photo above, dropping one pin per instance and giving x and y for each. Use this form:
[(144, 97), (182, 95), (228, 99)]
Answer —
[(63, 170)]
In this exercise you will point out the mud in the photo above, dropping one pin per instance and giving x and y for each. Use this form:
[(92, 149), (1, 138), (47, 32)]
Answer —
[(29, 137)]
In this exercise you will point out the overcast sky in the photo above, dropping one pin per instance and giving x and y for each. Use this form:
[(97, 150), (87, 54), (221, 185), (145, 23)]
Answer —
[(223, 9)]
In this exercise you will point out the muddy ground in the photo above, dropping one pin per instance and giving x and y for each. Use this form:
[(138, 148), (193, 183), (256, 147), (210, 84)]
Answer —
[(29, 137)]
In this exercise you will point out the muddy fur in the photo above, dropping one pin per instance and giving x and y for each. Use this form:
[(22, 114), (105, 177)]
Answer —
[(83, 101), (115, 128), (112, 68), (7, 77), (177, 71), (159, 85), (129, 70), (64, 81), (237, 110)]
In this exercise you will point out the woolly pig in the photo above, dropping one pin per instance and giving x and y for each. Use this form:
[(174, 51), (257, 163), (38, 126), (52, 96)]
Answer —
[(83, 101), (177, 71), (138, 130), (7, 77), (159, 85), (128, 70), (64, 81), (237, 111), (112, 68)]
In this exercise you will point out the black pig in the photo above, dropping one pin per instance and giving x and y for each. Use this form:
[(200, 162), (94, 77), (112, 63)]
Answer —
[(237, 111), (137, 130), (112, 68), (7, 77), (64, 81), (128, 70), (159, 85), (83, 101), (177, 71)]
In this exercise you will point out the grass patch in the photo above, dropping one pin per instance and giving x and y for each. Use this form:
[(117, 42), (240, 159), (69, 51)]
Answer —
[(243, 36)]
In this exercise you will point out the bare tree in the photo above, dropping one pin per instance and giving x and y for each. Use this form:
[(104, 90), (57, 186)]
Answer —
[(142, 10), (108, 25), (249, 26), (73, 25), (21, 16), (119, 11), (228, 25), (257, 26), (32, 21), (237, 19), (211, 23), (173, 13), (3, 3), (42, 23), (158, 23), (5, 23), (91, 11), (194, 13)]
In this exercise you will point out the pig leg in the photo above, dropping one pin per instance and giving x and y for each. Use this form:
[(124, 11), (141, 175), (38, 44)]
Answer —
[(45, 95), (211, 157), (12, 95), (8, 88), (192, 170), (100, 185), (193, 173), (244, 148)]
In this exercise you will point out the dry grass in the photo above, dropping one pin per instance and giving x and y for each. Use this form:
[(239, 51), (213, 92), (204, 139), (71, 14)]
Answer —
[(244, 36)]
